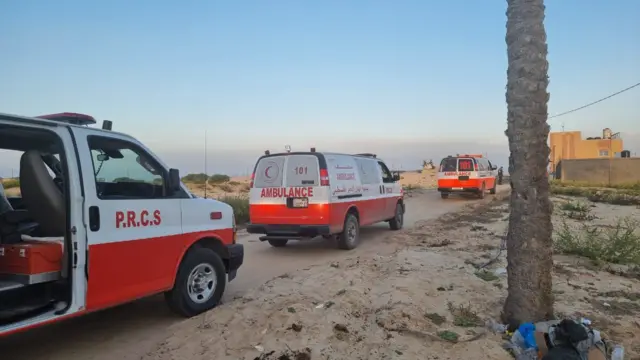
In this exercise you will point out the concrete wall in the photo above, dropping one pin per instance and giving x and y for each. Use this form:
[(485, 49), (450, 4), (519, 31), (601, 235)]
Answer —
[(623, 170)]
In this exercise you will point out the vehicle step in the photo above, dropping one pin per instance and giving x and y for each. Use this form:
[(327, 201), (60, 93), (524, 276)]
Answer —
[(280, 237)]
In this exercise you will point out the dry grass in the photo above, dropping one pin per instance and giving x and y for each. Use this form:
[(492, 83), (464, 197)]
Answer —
[(623, 194)]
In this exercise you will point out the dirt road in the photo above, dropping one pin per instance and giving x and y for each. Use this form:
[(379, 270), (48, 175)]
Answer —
[(129, 332)]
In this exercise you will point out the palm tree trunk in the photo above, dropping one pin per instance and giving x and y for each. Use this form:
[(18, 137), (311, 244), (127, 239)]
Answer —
[(529, 243)]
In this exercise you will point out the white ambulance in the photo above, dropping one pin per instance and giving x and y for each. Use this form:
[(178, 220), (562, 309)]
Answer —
[(101, 221), (469, 173), (301, 195)]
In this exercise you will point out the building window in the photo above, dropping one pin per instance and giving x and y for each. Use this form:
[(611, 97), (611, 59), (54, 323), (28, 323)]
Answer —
[(604, 152)]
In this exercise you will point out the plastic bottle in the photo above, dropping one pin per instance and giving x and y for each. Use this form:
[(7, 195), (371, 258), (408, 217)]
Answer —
[(618, 353)]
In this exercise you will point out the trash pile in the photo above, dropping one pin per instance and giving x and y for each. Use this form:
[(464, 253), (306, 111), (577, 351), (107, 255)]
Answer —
[(565, 339)]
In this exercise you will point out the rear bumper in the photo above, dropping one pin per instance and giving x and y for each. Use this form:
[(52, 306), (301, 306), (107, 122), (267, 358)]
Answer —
[(458, 190), (289, 230), (236, 258)]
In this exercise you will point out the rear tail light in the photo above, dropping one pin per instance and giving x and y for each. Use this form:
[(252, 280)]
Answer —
[(475, 166), (252, 177), (324, 177)]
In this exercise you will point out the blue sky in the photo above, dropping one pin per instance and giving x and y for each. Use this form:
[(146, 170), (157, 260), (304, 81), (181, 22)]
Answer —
[(409, 79)]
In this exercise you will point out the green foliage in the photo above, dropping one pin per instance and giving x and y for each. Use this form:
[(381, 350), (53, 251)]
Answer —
[(200, 178), (240, 205), (619, 244), (11, 183), (219, 179)]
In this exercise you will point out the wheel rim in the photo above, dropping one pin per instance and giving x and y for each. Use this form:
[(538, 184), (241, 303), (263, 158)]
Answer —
[(399, 216), (352, 232), (201, 283)]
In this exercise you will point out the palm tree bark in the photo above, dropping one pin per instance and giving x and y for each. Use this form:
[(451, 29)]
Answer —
[(529, 243)]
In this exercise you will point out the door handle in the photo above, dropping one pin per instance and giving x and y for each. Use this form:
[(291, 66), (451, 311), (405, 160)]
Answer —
[(94, 218)]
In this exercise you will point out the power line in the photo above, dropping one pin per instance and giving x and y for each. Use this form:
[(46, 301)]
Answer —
[(595, 102)]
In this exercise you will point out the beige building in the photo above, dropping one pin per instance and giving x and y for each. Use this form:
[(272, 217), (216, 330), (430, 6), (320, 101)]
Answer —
[(571, 145)]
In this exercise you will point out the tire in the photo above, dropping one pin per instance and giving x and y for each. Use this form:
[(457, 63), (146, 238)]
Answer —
[(493, 190), (278, 242), (483, 191), (350, 236), (444, 195), (398, 220), (186, 301)]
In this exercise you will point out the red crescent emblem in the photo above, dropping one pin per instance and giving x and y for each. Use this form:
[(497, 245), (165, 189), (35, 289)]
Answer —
[(266, 172)]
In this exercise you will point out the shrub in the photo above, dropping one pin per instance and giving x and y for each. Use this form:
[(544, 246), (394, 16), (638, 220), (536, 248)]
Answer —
[(195, 178), (245, 188), (240, 205), (234, 183), (577, 210), (584, 184), (225, 187), (11, 183), (619, 244), (609, 196), (219, 178)]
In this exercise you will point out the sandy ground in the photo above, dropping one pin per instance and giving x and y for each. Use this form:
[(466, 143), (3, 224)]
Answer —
[(424, 179), (376, 306), (132, 331)]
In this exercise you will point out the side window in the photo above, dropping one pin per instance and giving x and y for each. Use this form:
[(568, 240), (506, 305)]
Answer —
[(387, 177), (367, 171), (125, 171), (481, 165)]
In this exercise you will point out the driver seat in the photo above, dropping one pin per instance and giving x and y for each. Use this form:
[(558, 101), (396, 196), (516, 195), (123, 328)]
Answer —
[(41, 197), (13, 223)]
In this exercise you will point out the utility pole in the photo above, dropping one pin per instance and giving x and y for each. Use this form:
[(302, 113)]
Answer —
[(206, 180)]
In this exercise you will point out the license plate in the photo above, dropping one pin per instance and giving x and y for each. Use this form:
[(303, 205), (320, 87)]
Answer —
[(300, 202), (457, 188)]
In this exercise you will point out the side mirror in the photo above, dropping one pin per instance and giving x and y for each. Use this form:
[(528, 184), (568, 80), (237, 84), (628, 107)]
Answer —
[(494, 167), (174, 180), (396, 177)]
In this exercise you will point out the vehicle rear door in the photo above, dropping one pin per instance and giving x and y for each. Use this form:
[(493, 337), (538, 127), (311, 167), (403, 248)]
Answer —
[(467, 173), (134, 227), (287, 191)]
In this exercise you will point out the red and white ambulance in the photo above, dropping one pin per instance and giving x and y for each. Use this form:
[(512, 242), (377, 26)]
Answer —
[(470, 173), (301, 195), (101, 221)]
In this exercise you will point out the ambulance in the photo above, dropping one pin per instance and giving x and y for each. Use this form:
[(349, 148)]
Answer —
[(301, 195), (101, 221), (466, 174)]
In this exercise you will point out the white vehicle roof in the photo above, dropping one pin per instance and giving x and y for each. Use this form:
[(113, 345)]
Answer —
[(30, 120)]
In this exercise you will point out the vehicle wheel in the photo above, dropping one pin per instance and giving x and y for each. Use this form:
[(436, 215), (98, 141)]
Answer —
[(483, 191), (350, 236), (398, 220), (278, 242), (199, 284), (493, 190), (444, 195)]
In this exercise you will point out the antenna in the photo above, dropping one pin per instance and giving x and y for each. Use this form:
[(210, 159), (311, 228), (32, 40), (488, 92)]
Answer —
[(563, 126), (206, 180)]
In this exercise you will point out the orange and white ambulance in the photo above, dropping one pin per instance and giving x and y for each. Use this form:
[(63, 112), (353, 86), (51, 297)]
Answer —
[(301, 195), (101, 221), (466, 174)]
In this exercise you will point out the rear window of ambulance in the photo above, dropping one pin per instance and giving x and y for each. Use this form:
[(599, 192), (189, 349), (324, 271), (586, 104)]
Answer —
[(465, 164), (269, 172), (302, 170), (449, 164)]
